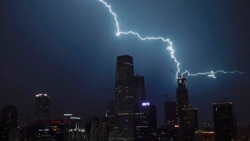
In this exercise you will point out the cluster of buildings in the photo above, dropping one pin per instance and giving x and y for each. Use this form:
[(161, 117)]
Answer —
[(42, 128), (130, 117)]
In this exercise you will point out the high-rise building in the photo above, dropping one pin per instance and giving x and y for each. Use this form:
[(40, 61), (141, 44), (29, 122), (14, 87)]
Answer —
[(181, 96), (75, 133), (97, 129), (170, 112), (189, 123), (8, 123), (122, 108), (145, 122), (124, 80), (170, 130), (139, 89), (127, 117), (187, 117), (42, 107), (182, 102), (9, 116), (223, 121)]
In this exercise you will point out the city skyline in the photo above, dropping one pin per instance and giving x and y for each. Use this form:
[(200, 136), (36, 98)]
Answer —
[(45, 52)]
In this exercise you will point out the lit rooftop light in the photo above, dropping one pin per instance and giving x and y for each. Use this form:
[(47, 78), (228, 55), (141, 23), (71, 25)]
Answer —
[(145, 104)]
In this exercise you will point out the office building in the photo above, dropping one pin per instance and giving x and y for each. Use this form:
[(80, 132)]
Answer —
[(223, 121), (42, 107), (170, 112), (181, 96), (187, 117), (9, 116), (189, 123), (8, 123), (139, 89), (127, 118), (121, 112), (124, 81), (145, 123)]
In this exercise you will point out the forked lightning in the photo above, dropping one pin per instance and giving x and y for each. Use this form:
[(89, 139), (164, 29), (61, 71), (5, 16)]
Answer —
[(169, 47)]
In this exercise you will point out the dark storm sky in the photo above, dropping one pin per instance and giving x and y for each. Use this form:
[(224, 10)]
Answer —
[(68, 49)]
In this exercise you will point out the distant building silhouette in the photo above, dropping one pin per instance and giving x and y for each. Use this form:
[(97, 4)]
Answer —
[(169, 131), (8, 124), (127, 117), (75, 133), (96, 129), (223, 121), (9, 116), (140, 95), (145, 119), (170, 112), (42, 107), (189, 123), (204, 135)]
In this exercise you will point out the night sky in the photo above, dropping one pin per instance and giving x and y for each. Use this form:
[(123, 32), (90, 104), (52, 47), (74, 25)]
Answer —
[(68, 49)]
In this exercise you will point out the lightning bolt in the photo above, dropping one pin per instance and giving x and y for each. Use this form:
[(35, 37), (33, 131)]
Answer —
[(169, 47), (211, 73)]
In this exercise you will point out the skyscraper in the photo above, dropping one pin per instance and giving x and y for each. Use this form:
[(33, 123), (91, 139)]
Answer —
[(124, 80), (181, 96), (139, 89), (8, 123), (127, 117), (42, 107), (122, 108), (187, 117), (145, 122), (189, 123), (223, 121), (170, 112), (9, 116)]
